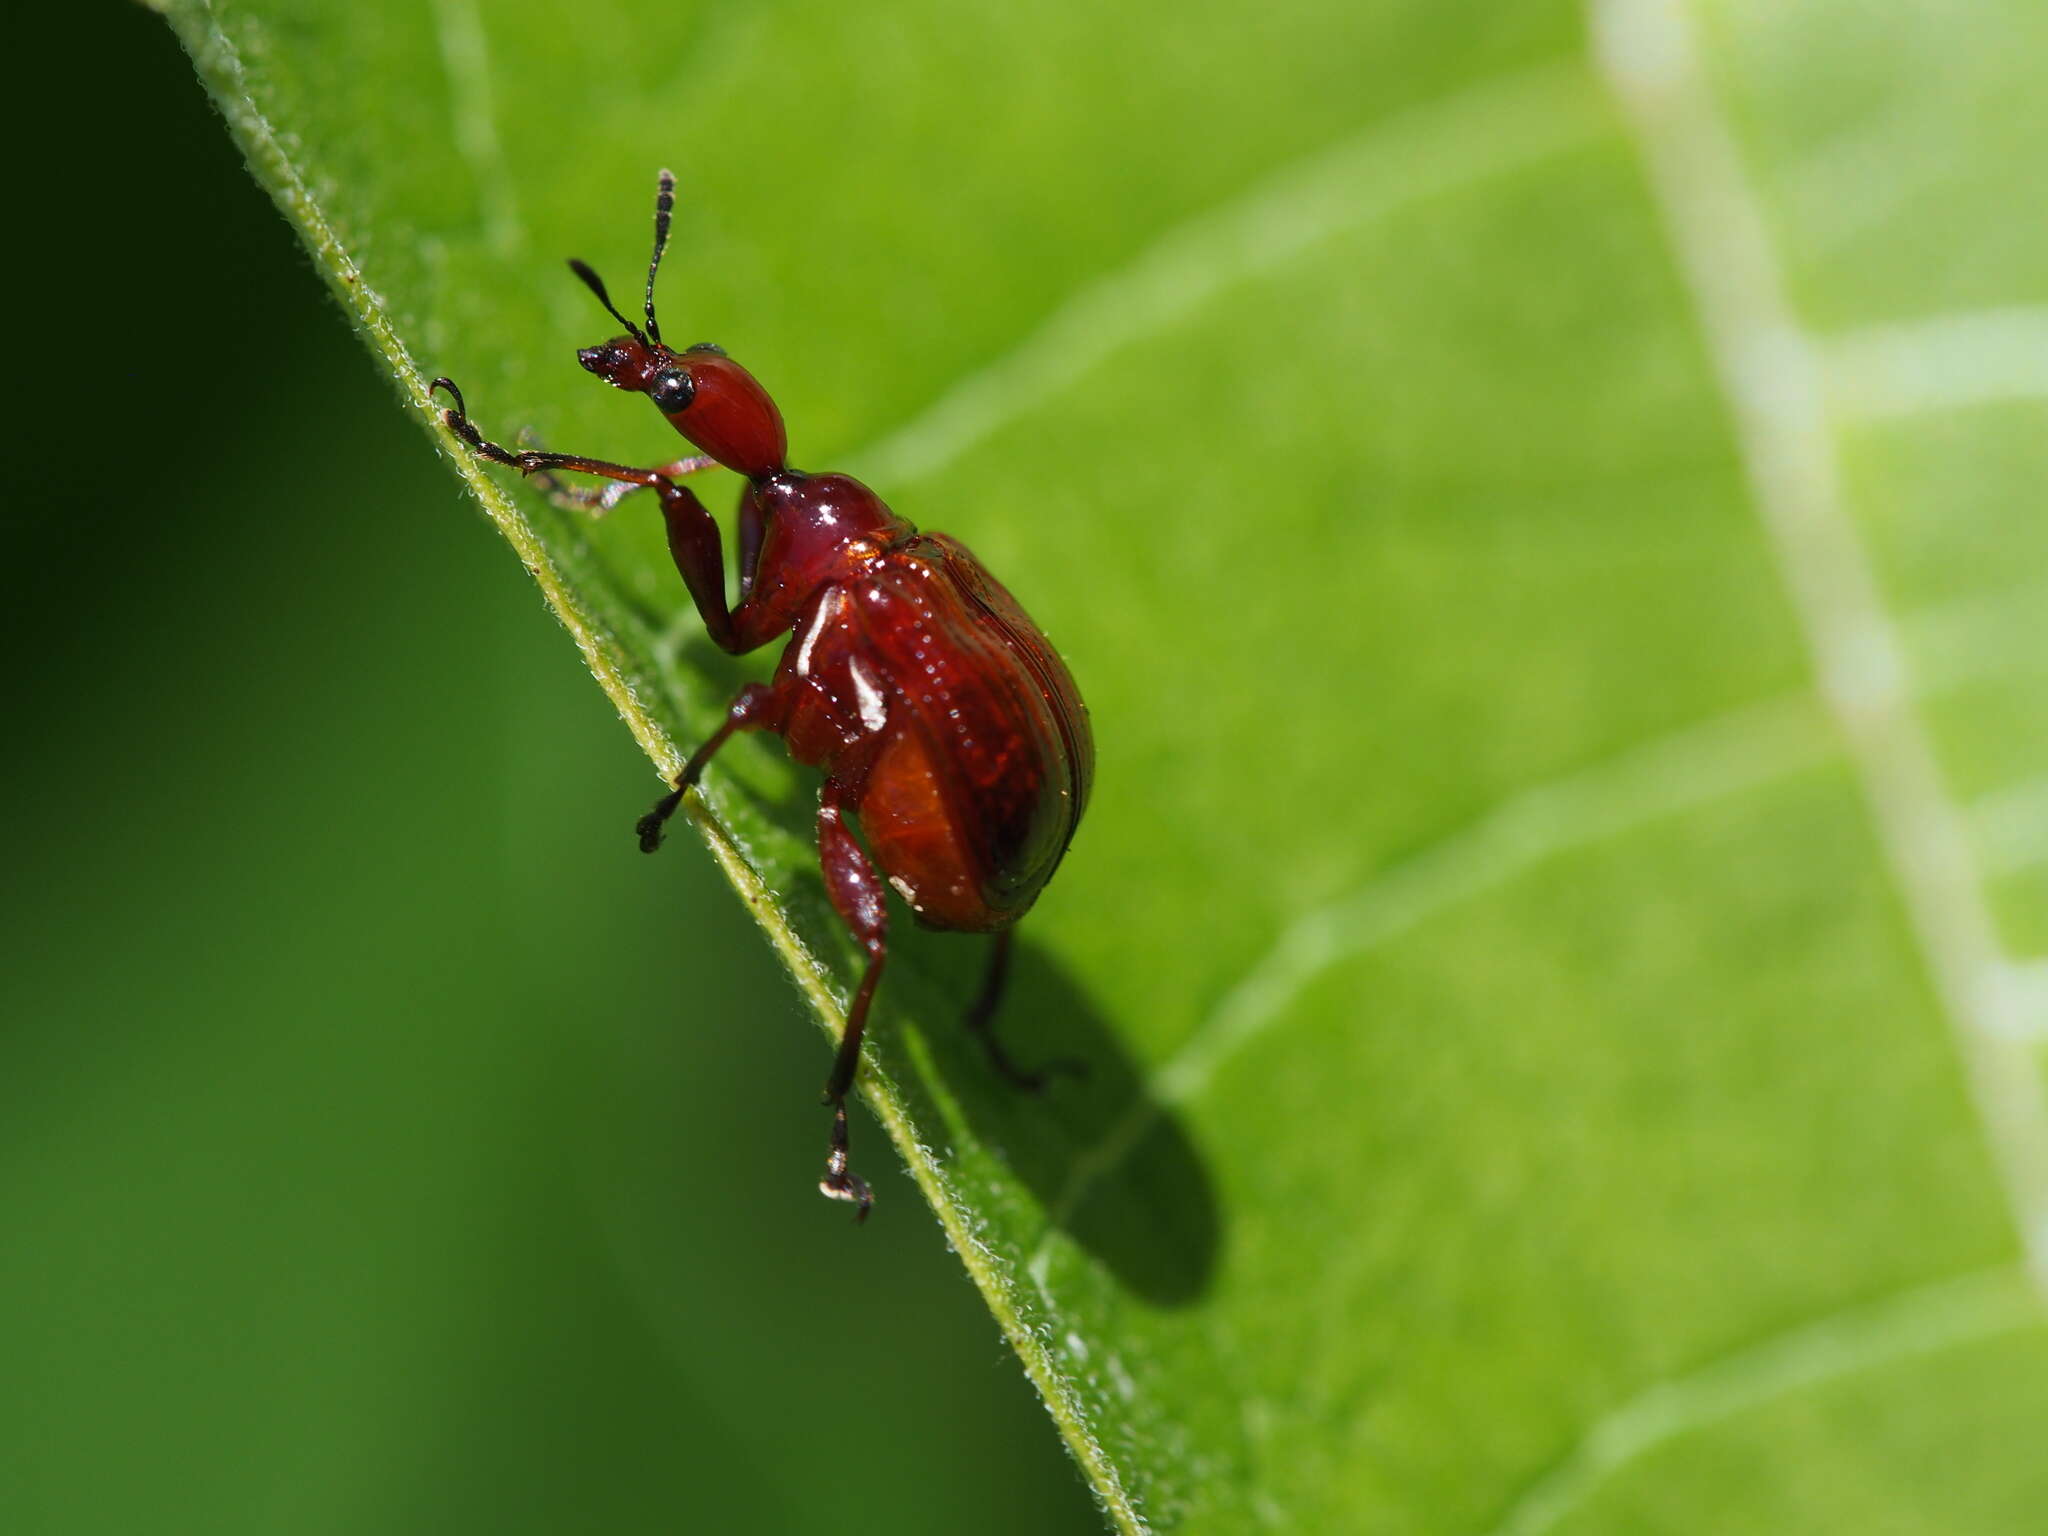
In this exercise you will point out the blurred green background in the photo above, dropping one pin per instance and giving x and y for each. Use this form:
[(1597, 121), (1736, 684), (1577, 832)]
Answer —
[(385, 1145)]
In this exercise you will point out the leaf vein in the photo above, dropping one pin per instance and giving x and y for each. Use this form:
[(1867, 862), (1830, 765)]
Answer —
[(1664, 776), (1773, 382), (1940, 362), (465, 55), (1909, 1324), (1483, 130)]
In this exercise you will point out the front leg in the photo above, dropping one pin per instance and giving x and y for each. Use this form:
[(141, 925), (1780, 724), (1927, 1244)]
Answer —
[(595, 501), (693, 538)]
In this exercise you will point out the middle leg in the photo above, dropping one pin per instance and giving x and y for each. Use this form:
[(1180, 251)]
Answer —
[(758, 707)]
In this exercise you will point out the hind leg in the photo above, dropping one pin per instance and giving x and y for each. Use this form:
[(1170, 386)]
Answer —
[(980, 1021), (857, 895)]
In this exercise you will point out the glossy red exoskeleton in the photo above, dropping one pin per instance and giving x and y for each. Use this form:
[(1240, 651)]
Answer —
[(946, 723)]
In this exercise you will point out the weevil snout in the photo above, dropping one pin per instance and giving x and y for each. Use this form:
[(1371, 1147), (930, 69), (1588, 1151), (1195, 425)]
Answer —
[(624, 361)]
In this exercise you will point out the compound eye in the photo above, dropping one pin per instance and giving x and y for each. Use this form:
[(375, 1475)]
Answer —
[(672, 391)]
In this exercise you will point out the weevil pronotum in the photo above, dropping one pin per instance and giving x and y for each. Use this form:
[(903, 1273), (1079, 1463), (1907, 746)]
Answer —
[(948, 728)]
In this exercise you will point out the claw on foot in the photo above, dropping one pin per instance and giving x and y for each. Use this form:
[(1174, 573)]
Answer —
[(838, 1184), (651, 826)]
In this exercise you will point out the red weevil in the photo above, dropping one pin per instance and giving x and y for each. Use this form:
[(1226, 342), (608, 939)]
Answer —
[(945, 722)]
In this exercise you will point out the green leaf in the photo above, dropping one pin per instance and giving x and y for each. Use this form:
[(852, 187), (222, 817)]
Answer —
[(1545, 513)]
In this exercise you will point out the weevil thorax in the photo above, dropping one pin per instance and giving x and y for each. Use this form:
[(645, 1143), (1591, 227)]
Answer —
[(705, 395), (819, 530)]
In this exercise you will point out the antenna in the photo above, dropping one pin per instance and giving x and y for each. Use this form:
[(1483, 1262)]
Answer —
[(596, 285), (664, 206)]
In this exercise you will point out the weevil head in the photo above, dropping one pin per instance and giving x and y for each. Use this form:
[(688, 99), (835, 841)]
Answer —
[(706, 396)]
